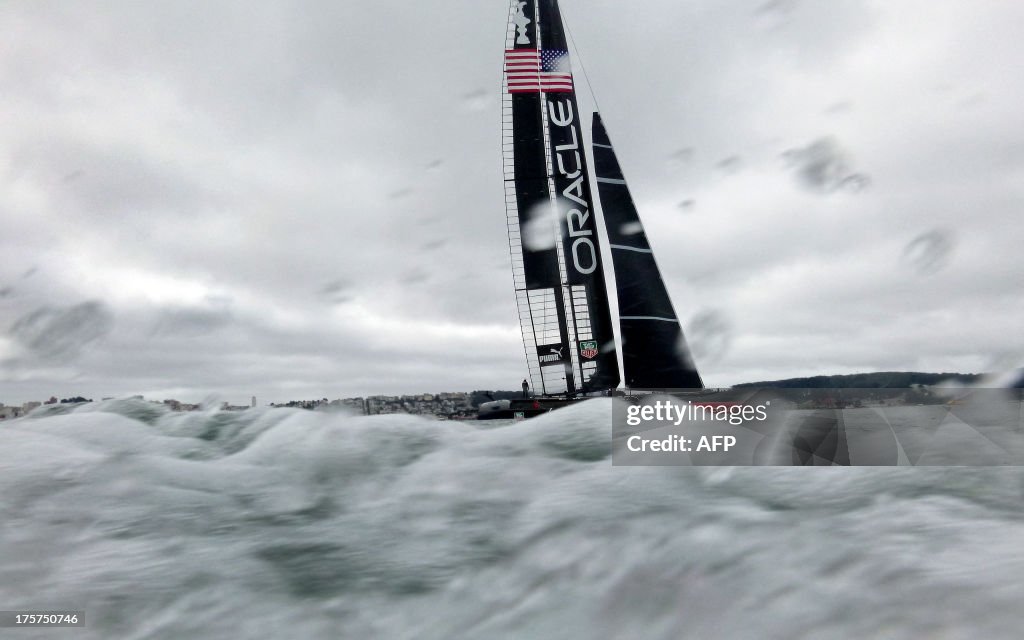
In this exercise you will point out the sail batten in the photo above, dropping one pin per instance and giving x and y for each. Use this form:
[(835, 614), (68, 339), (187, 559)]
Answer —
[(676, 320), (622, 247)]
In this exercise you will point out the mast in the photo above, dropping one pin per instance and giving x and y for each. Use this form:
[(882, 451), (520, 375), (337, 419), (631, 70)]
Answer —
[(532, 240), (586, 295), (557, 270), (654, 351)]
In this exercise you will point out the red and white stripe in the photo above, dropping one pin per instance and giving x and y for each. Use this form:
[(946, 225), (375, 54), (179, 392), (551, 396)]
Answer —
[(524, 75)]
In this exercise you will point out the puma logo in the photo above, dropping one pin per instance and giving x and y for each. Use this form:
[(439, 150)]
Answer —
[(553, 355)]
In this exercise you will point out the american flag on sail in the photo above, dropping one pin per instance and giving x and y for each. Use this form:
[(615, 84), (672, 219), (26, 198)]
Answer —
[(530, 70)]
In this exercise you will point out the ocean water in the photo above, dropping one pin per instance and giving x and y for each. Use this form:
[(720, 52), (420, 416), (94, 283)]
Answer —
[(294, 524)]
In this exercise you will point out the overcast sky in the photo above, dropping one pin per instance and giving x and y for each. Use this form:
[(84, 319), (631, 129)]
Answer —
[(304, 199)]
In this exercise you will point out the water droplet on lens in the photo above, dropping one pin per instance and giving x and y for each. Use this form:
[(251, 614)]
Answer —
[(822, 167), (682, 156), (338, 291), (929, 252), (683, 350), (855, 183), (838, 107), (61, 333), (434, 245), (730, 165), (415, 276), (539, 231), (631, 229), (1004, 361), (476, 100), (710, 335), (776, 6)]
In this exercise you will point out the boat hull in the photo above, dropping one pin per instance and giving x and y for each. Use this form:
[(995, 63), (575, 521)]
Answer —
[(522, 407)]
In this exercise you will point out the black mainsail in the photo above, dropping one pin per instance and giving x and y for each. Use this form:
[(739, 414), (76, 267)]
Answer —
[(556, 255), (654, 351), (553, 233)]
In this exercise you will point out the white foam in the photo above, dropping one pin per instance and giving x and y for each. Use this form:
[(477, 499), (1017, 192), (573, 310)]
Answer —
[(279, 523)]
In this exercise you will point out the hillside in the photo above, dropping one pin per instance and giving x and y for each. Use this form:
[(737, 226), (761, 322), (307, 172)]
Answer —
[(885, 380)]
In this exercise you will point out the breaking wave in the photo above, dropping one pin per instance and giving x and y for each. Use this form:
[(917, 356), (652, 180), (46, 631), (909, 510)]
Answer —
[(294, 524)]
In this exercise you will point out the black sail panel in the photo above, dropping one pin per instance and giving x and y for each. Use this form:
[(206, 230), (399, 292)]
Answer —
[(540, 258), (654, 351), (589, 315)]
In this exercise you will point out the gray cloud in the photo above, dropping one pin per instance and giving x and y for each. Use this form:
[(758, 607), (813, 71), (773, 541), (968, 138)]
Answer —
[(62, 333), (193, 321), (307, 200)]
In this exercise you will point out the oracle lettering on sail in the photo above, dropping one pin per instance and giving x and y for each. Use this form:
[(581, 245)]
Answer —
[(569, 163)]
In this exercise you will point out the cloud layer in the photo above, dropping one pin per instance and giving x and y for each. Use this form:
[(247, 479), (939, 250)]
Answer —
[(305, 201)]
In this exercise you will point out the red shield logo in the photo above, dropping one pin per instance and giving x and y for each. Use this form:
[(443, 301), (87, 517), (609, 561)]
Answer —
[(588, 349)]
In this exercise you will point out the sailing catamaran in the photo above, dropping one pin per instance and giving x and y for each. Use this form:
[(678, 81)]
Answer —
[(552, 220)]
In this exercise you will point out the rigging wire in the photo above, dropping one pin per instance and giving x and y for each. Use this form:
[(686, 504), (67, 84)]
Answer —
[(579, 58), (610, 284)]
